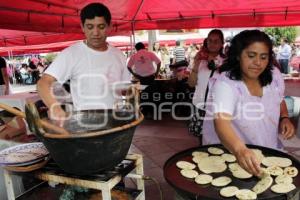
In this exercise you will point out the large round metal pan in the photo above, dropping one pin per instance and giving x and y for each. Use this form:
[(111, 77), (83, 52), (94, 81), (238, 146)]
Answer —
[(190, 190)]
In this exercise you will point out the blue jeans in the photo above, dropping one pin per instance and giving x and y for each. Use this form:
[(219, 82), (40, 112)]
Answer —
[(284, 63)]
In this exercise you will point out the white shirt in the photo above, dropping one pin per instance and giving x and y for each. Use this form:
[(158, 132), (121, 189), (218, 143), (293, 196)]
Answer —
[(92, 74), (143, 62), (254, 119), (284, 52), (225, 99), (202, 80)]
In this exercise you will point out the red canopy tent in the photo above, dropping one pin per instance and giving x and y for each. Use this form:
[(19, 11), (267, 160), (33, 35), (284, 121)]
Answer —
[(9, 38), (58, 21), (62, 16), (45, 48)]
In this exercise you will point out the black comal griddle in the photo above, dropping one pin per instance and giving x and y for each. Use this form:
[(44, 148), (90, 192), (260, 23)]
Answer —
[(190, 190)]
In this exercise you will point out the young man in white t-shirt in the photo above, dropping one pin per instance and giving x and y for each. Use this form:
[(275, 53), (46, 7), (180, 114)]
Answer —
[(144, 64), (92, 66)]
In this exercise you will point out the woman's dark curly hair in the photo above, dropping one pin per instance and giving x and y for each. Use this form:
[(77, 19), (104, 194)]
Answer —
[(238, 44)]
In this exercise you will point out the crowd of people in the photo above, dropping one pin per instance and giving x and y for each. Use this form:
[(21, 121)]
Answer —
[(25, 71)]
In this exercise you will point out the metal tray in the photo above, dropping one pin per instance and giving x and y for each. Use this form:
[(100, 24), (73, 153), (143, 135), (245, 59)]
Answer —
[(190, 190)]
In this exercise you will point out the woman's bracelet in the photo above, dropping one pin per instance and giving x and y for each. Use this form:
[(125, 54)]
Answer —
[(283, 117)]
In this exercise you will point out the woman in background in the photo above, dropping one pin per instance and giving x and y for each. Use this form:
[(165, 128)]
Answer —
[(207, 60)]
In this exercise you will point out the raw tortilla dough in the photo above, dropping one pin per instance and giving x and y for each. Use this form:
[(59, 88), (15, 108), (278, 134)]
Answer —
[(221, 181), (203, 179), (185, 165), (228, 191)]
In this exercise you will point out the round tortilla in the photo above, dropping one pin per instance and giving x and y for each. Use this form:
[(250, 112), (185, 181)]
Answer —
[(291, 171), (185, 165), (212, 164), (197, 159), (275, 170), (228, 157), (233, 166), (228, 191), (189, 173), (263, 185), (276, 161), (200, 154), (283, 188), (203, 179), (283, 179), (238, 171), (245, 194), (221, 181), (215, 150), (241, 174)]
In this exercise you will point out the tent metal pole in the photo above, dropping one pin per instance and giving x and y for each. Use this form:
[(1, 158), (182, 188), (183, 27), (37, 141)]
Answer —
[(132, 38), (12, 68), (132, 31), (133, 26), (138, 10)]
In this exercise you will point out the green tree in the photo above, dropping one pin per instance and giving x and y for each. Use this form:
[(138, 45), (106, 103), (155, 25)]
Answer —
[(289, 33), (50, 57)]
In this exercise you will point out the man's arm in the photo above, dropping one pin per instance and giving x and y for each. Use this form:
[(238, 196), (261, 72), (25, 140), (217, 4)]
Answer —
[(193, 77), (44, 86), (132, 72)]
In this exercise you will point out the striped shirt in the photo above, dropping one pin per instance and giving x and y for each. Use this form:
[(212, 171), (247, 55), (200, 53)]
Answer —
[(179, 54)]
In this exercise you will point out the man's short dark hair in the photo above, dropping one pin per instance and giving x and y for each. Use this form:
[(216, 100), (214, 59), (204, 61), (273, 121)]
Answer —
[(93, 10), (139, 46)]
